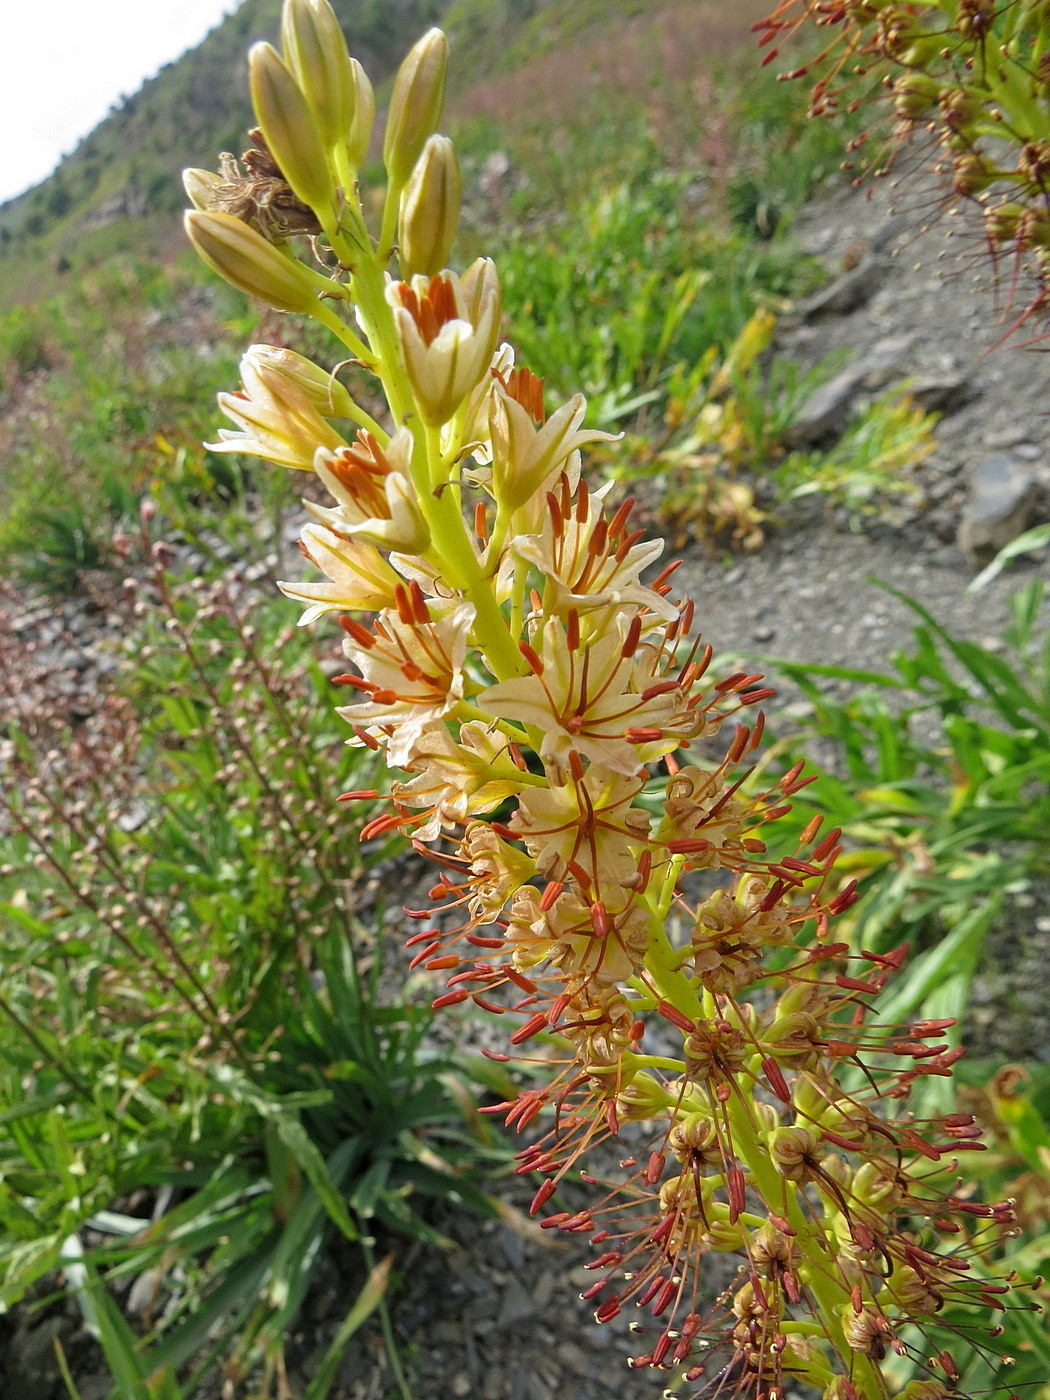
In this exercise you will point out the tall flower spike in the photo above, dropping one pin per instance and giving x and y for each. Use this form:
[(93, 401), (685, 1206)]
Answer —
[(602, 877)]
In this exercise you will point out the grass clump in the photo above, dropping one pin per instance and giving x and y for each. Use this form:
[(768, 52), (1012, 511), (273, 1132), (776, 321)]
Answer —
[(202, 1073)]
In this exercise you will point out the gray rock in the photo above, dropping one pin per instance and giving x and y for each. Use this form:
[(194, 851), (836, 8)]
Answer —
[(846, 293), (941, 393), (32, 1369), (1007, 435), (1003, 496), (516, 1305), (1030, 451), (825, 412), (885, 359)]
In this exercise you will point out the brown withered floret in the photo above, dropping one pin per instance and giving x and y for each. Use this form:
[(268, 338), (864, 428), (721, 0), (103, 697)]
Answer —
[(262, 198)]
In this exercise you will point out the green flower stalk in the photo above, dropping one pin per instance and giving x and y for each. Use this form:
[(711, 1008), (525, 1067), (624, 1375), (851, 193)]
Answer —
[(541, 702)]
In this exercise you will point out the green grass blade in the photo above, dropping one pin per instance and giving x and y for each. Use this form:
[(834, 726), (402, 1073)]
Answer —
[(365, 1304)]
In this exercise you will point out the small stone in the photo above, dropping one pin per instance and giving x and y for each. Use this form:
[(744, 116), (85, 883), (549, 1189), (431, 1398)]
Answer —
[(846, 293), (516, 1305), (763, 632), (573, 1358), (940, 393), (824, 413), (1008, 436), (512, 1248), (543, 1290), (884, 359), (1003, 496), (94, 1387), (136, 816)]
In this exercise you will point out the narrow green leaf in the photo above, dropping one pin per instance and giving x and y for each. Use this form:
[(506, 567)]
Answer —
[(365, 1304), (1025, 543), (295, 1137)]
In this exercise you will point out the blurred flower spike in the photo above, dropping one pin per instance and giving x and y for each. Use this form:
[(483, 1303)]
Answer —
[(970, 76), (560, 752)]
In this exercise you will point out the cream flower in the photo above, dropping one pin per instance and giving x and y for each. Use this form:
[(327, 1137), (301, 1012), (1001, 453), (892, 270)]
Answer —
[(278, 419), (584, 700), (412, 670), (700, 807), (456, 780), (448, 333), (588, 562), (587, 821), (357, 576), (605, 947), (373, 488), (527, 456)]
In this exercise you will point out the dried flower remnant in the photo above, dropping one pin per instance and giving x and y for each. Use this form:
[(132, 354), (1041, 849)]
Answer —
[(551, 713)]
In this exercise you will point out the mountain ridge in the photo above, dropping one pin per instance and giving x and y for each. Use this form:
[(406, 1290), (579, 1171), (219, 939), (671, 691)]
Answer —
[(119, 189)]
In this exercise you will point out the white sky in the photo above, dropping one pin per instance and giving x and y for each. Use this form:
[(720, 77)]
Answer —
[(66, 62)]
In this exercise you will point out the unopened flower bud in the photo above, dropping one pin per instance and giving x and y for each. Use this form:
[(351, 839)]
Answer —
[(802, 995), (315, 52), (416, 106), (926, 1390), (972, 173), (793, 1039), (320, 386), (244, 259), (765, 1116), (430, 210), (871, 1186), (912, 1292), (1001, 223), (289, 127), (960, 110), (723, 1237), (921, 50), (812, 1097), (364, 117), (836, 1169), (201, 186)]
